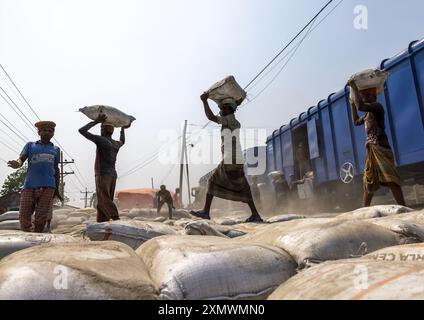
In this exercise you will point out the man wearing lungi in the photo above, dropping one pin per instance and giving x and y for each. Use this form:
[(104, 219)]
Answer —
[(228, 181), (42, 179), (380, 168)]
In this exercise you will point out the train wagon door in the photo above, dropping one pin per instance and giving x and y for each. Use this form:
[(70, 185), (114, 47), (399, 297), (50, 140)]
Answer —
[(288, 161), (313, 139)]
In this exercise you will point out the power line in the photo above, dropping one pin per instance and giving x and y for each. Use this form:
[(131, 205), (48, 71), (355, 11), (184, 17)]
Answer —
[(20, 135), (279, 72), (35, 113), (297, 35), (10, 137), (7, 146), (311, 29), (1, 66), (20, 114)]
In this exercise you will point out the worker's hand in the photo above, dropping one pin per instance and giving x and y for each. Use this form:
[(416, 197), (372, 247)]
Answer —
[(101, 118), (352, 84), (205, 96), (14, 164), (126, 127)]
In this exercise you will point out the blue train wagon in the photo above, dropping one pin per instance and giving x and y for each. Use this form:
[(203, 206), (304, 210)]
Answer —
[(336, 148)]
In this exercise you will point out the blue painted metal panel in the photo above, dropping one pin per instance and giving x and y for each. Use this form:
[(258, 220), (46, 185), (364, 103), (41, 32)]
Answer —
[(419, 70), (318, 163), (286, 142), (342, 133), (328, 142), (313, 139), (406, 116), (278, 153), (270, 156)]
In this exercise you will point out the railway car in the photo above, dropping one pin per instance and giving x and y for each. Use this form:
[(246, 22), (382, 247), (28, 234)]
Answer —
[(336, 148)]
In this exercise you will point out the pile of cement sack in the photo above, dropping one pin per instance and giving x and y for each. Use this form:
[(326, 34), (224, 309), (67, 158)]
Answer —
[(394, 273), (75, 271), (315, 240), (222, 258)]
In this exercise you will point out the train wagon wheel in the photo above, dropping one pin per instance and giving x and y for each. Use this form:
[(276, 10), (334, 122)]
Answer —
[(347, 173)]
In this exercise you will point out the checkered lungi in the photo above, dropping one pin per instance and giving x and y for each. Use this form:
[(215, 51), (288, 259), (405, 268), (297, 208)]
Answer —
[(38, 200), (380, 168)]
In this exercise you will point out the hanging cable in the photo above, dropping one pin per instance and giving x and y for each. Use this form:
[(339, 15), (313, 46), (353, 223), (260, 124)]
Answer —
[(291, 41), (33, 111)]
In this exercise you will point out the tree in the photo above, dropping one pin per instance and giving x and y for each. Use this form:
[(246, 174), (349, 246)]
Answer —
[(14, 181)]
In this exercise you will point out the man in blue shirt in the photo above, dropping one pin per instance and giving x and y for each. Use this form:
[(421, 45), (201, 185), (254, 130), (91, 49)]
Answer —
[(42, 179)]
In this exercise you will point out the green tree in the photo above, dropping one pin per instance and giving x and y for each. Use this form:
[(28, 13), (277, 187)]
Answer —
[(14, 181)]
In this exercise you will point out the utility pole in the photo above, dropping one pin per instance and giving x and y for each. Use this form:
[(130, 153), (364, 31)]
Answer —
[(183, 152), (86, 192), (153, 186), (188, 177), (62, 176)]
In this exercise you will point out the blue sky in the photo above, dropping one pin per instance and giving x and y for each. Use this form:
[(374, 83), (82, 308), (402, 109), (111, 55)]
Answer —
[(154, 58)]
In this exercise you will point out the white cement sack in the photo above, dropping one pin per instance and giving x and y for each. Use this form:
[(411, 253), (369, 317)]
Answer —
[(59, 217), (10, 215), (160, 219), (132, 233), (196, 267), (10, 225), (411, 232), (94, 270), (394, 273), (77, 231), (226, 88), (230, 221), (115, 117), (314, 243), (201, 228), (77, 214), (71, 221), (11, 242), (284, 217), (374, 212), (370, 78), (416, 217), (63, 211)]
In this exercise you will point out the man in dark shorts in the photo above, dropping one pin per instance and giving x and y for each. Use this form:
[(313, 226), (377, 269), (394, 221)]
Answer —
[(380, 168), (105, 172), (42, 179), (164, 196)]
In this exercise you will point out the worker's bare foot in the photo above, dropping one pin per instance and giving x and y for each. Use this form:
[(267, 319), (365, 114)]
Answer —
[(200, 214), (254, 219)]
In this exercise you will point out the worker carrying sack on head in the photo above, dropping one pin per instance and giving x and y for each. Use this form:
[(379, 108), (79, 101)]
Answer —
[(228, 180), (380, 168), (368, 79)]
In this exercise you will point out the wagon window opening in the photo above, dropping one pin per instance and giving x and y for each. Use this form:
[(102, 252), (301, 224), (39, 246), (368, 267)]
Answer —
[(302, 163)]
